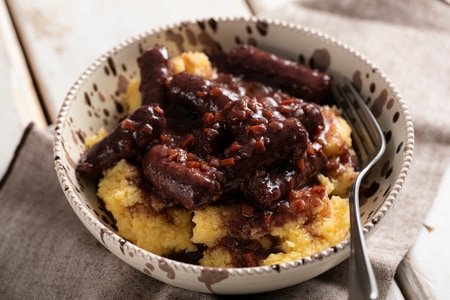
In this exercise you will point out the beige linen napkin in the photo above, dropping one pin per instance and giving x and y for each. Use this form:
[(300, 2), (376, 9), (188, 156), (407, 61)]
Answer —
[(46, 253)]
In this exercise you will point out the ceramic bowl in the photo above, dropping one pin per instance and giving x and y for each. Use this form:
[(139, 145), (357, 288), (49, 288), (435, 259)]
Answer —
[(95, 100)]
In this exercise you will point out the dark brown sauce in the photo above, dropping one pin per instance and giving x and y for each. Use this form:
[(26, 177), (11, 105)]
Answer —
[(239, 132)]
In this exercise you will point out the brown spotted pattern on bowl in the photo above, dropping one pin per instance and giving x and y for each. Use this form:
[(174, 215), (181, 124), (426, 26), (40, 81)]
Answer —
[(96, 100)]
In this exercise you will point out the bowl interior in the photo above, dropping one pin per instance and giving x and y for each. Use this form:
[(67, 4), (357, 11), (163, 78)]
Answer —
[(96, 100)]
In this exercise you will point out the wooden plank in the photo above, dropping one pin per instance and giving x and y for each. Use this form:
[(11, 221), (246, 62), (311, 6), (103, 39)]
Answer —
[(260, 7), (394, 292), (62, 38), (19, 103), (425, 272), (410, 280)]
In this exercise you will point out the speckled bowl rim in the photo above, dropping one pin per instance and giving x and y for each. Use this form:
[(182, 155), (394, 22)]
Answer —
[(115, 238)]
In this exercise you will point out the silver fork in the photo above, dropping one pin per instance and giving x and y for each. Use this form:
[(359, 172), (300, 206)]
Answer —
[(370, 144)]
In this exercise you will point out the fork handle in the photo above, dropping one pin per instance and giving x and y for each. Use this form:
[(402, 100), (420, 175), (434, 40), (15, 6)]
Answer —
[(362, 281)]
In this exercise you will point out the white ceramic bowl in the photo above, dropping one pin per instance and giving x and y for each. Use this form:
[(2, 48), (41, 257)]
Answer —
[(95, 100)]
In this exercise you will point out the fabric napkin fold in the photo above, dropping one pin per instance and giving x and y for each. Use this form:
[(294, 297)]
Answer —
[(46, 253)]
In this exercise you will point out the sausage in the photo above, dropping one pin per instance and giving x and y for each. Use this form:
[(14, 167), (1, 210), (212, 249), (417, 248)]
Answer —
[(206, 99), (127, 140), (268, 188), (263, 140), (296, 79), (154, 71), (308, 113), (182, 176), (198, 94)]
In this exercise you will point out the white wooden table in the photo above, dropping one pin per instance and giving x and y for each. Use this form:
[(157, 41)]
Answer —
[(46, 45)]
